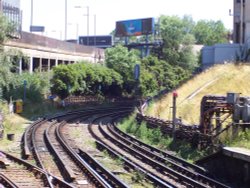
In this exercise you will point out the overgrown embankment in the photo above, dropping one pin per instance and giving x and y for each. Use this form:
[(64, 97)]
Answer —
[(217, 80)]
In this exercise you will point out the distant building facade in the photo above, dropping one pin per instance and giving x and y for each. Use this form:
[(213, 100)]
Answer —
[(241, 21), (11, 9)]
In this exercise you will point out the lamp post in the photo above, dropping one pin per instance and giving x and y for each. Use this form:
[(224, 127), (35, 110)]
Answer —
[(66, 20), (87, 7), (31, 15), (95, 29), (87, 20)]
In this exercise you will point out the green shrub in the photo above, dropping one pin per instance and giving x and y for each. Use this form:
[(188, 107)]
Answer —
[(85, 79), (37, 86)]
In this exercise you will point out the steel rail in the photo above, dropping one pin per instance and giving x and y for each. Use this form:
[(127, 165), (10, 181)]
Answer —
[(177, 167), (65, 170), (160, 152), (26, 148), (6, 182), (158, 181), (107, 175), (100, 182), (153, 163), (53, 180)]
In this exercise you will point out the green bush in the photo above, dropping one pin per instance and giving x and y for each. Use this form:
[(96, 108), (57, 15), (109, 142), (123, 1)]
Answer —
[(241, 140), (85, 79), (37, 86)]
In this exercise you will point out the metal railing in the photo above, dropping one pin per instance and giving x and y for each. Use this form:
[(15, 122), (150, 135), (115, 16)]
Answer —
[(14, 16)]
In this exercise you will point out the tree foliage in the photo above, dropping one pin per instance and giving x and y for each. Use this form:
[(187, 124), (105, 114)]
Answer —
[(178, 41), (6, 28), (123, 61), (12, 84), (5, 60), (85, 79), (36, 88), (210, 32)]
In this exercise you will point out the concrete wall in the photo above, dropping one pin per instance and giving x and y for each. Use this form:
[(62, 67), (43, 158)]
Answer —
[(41, 46), (219, 53), (229, 170), (44, 53)]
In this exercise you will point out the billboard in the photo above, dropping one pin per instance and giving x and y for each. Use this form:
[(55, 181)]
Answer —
[(98, 41), (134, 27), (37, 28)]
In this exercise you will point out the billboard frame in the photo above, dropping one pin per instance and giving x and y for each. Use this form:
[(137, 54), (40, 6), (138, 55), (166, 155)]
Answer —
[(134, 27)]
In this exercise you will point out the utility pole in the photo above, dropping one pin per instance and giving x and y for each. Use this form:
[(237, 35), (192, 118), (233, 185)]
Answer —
[(66, 19), (31, 15), (94, 30), (175, 95), (88, 25)]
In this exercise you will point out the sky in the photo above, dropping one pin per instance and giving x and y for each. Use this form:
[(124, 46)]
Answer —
[(51, 13)]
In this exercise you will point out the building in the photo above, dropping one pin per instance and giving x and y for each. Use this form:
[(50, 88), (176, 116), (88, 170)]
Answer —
[(239, 50), (241, 21), (14, 3), (11, 9)]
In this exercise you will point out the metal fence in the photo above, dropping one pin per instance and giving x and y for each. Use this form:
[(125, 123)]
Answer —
[(14, 15)]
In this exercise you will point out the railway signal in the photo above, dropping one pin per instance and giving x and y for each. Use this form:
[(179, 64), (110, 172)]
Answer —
[(175, 95)]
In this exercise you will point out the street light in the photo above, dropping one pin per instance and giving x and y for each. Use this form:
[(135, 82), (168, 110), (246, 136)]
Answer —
[(66, 12), (87, 19), (31, 15)]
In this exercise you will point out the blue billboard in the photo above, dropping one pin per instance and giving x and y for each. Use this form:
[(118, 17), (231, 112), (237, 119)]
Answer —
[(134, 27), (103, 41)]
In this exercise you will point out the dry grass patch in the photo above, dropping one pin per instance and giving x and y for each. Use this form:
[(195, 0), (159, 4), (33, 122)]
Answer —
[(217, 80)]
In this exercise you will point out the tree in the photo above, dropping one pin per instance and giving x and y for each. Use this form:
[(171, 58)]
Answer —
[(210, 32), (5, 65), (5, 29), (85, 79), (123, 61), (63, 80), (178, 41)]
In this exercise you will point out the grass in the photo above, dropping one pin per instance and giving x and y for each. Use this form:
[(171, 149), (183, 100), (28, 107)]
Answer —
[(17, 123), (13, 124), (155, 138), (242, 140), (223, 78), (132, 178)]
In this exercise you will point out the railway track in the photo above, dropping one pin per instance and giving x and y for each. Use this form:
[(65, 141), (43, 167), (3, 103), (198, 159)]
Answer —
[(15, 172), (52, 153), (136, 162), (173, 173), (172, 162), (50, 142)]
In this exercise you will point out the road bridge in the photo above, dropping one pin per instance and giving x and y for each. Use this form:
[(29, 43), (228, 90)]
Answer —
[(43, 53)]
